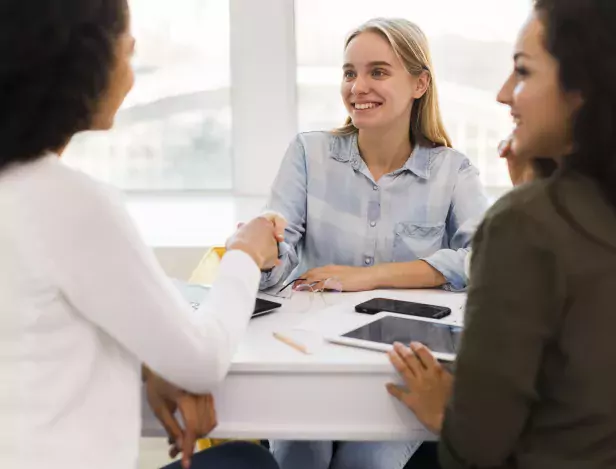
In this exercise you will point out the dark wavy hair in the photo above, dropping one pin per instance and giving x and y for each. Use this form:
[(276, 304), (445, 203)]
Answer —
[(581, 35), (56, 57)]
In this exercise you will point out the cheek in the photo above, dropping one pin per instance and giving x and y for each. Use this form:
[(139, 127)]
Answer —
[(518, 95), (345, 94), (345, 89), (131, 78), (540, 105), (400, 98), (127, 75)]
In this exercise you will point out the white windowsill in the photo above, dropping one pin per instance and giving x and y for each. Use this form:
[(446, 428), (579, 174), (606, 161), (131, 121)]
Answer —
[(191, 220)]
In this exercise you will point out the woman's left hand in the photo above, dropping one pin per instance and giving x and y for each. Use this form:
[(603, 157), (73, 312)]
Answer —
[(350, 278), (198, 415), (428, 384)]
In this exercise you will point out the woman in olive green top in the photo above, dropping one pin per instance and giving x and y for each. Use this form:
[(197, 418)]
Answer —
[(535, 380)]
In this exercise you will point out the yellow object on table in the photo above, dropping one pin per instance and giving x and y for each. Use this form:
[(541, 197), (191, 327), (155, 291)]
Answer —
[(207, 269), (205, 274)]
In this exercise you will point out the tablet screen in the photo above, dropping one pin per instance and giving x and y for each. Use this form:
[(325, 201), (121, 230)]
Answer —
[(389, 329)]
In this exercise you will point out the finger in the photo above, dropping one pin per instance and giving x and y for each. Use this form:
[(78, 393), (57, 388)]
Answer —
[(425, 357), (412, 362), (165, 416), (397, 391), (187, 453), (305, 279), (280, 224), (171, 426), (186, 404), (314, 275), (400, 365), (504, 148), (174, 451)]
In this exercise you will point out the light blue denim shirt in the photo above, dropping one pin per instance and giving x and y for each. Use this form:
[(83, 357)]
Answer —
[(338, 214)]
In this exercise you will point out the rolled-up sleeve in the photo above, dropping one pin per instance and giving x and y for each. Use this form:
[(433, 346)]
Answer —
[(468, 206), (288, 197), (514, 303)]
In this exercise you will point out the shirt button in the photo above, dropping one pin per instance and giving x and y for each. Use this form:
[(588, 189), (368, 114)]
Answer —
[(368, 260), (375, 187), (372, 224)]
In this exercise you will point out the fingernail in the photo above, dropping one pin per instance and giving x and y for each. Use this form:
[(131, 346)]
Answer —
[(416, 345)]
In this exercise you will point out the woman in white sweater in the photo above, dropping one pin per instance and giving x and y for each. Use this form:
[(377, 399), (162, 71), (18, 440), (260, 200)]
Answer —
[(83, 302)]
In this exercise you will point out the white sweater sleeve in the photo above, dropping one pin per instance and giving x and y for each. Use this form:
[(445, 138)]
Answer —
[(111, 278)]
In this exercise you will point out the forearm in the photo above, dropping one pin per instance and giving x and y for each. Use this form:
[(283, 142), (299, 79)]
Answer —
[(414, 274)]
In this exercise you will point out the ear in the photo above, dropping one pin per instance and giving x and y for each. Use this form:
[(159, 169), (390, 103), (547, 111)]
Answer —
[(422, 84), (575, 101)]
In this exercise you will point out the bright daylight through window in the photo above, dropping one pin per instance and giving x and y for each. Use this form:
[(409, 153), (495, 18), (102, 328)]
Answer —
[(173, 131)]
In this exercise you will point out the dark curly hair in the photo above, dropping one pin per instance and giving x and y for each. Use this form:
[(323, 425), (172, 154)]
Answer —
[(580, 34), (56, 57)]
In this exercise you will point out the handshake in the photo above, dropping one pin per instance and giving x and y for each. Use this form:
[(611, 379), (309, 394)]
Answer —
[(259, 239)]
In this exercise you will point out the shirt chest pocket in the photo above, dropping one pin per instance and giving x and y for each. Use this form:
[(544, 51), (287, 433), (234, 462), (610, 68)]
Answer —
[(414, 241)]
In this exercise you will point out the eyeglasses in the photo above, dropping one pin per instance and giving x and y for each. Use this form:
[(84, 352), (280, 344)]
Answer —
[(324, 290)]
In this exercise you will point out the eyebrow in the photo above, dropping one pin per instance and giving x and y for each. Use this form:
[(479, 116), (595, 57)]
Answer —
[(519, 55), (377, 63)]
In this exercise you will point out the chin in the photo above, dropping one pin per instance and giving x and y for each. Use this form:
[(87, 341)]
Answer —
[(102, 125), (519, 147), (363, 124)]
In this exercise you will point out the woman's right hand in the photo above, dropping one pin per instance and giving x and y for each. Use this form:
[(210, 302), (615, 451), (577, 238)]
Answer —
[(259, 239)]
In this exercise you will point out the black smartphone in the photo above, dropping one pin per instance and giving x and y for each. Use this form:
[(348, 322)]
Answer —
[(376, 305)]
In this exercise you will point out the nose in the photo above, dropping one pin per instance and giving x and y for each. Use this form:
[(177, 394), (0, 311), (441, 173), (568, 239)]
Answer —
[(360, 86), (505, 95)]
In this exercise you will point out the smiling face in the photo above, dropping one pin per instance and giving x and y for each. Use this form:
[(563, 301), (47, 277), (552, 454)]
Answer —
[(541, 110), (377, 90)]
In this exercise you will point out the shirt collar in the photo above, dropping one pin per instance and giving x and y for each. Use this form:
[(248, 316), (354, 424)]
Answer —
[(344, 148)]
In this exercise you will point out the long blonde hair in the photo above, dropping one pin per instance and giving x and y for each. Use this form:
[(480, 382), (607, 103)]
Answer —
[(411, 47)]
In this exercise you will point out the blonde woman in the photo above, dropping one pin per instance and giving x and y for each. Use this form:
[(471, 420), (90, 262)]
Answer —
[(383, 202)]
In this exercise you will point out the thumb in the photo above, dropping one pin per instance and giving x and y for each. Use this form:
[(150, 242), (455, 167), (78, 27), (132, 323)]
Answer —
[(279, 221)]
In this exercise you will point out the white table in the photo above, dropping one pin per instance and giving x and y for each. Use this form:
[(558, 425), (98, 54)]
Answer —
[(336, 393)]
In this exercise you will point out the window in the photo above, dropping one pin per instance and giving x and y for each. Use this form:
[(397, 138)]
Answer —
[(471, 43), (174, 129)]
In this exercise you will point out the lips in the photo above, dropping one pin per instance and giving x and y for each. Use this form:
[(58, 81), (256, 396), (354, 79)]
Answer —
[(516, 120)]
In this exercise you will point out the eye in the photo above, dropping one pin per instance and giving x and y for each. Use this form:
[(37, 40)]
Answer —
[(521, 72), (348, 74), (378, 73)]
